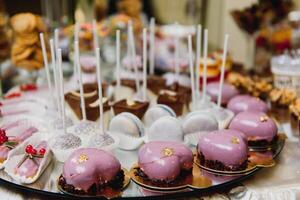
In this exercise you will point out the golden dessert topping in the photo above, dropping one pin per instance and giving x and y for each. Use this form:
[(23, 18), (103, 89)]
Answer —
[(130, 102), (82, 158), (96, 103), (167, 151), (282, 96), (168, 92), (235, 140), (264, 118), (85, 95)]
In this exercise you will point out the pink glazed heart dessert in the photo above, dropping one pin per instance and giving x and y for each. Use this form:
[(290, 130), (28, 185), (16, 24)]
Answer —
[(242, 103), (224, 150), (90, 170), (228, 92), (260, 129), (164, 163)]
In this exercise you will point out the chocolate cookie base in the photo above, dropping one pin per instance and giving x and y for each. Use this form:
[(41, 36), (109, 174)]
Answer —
[(217, 165), (155, 83), (115, 184), (262, 143), (164, 183)]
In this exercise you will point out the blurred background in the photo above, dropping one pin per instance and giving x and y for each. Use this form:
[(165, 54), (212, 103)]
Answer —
[(259, 29), (213, 14)]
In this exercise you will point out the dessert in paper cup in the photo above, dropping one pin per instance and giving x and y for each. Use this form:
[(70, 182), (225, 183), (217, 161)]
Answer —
[(29, 160)]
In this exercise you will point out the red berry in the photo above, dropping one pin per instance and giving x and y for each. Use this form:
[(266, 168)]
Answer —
[(33, 151), (42, 151), (13, 95), (28, 87), (2, 132), (3, 138), (29, 149), (1, 104)]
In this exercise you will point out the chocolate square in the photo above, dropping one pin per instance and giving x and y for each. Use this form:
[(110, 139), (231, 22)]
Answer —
[(138, 109), (172, 99), (92, 113)]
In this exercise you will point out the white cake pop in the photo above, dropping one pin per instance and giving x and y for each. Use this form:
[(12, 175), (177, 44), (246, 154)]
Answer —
[(167, 128), (156, 112)]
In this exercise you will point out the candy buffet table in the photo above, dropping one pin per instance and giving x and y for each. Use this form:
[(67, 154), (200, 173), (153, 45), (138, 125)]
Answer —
[(279, 182)]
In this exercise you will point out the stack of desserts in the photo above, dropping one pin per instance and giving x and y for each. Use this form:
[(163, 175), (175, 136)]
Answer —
[(26, 51)]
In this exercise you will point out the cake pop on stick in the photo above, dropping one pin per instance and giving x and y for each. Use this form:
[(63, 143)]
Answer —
[(191, 70), (85, 127), (198, 56), (222, 70), (205, 64), (102, 140), (64, 143), (152, 45), (45, 58), (144, 64)]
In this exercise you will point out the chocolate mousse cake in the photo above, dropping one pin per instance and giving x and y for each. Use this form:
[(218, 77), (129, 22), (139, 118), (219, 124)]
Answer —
[(174, 100), (181, 89), (224, 150), (91, 96), (138, 108), (259, 129), (164, 163), (242, 103), (88, 171), (129, 83), (155, 83)]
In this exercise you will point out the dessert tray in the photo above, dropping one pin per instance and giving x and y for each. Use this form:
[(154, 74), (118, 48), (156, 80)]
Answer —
[(202, 180)]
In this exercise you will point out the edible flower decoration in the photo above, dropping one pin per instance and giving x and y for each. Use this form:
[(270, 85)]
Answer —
[(83, 158), (167, 151)]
